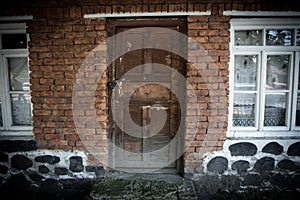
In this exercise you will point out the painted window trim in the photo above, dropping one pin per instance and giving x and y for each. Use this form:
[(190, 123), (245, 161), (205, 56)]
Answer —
[(296, 91), (15, 18), (262, 52), (262, 13), (7, 131), (145, 14)]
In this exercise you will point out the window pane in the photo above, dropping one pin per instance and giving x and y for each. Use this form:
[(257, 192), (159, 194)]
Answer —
[(297, 121), (275, 109), (298, 37), (244, 110), (1, 120), (279, 37), (14, 41), (21, 109), (248, 38), (18, 74), (245, 72), (299, 77), (298, 111), (277, 72)]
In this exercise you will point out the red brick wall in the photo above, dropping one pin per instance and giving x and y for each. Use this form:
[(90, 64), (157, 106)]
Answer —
[(208, 57), (60, 39), (57, 47)]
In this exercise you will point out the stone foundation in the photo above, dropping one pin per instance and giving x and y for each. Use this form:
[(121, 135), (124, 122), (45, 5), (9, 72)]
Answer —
[(240, 166), (254, 156), (46, 164), (244, 165)]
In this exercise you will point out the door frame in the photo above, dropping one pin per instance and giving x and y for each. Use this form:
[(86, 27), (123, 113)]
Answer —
[(111, 27)]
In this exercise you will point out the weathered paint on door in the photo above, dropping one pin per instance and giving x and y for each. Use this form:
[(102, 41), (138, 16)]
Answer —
[(148, 100)]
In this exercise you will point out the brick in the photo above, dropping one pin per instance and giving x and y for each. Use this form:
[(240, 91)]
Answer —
[(219, 26), (46, 81), (219, 92), (44, 42), (81, 54), (55, 48), (224, 73), (73, 34), (54, 136), (158, 8), (193, 33), (45, 29), (219, 39), (53, 62), (99, 27), (81, 28), (197, 26), (203, 32), (58, 142), (213, 32), (224, 33), (219, 52), (205, 149), (35, 62), (197, 19), (65, 28), (201, 40), (79, 48), (219, 18), (38, 49), (207, 59), (200, 7), (42, 112), (73, 61), (63, 55), (45, 55), (197, 53), (61, 94), (62, 42), (84, 41), (208, 72)]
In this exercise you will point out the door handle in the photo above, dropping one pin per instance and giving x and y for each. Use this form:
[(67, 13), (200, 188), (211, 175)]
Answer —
[(115, 82), (154, 107)]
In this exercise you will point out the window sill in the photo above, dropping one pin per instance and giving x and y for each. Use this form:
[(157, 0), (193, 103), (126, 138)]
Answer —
[(264, 134), (16, 135)]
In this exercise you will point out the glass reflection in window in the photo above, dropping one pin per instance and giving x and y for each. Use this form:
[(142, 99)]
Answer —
[(277, 37), (248, 38), (244, 110), (18, 74), (298, 111), (245, 72), (19, 82), (275, 109), (1, 120), (298, 37), (14, 41), (277, 72), (297, 121), (21, 109)]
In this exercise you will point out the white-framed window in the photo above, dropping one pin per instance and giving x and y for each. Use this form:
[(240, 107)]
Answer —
[(264, 78), (15, 100)]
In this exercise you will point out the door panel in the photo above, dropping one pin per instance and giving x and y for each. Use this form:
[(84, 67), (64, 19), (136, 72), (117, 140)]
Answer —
[(148, 100)]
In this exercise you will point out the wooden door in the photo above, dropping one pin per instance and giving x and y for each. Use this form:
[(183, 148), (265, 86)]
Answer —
[(149, 99)]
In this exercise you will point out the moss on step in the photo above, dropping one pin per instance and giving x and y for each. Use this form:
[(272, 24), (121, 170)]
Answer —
[(139, 188)]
